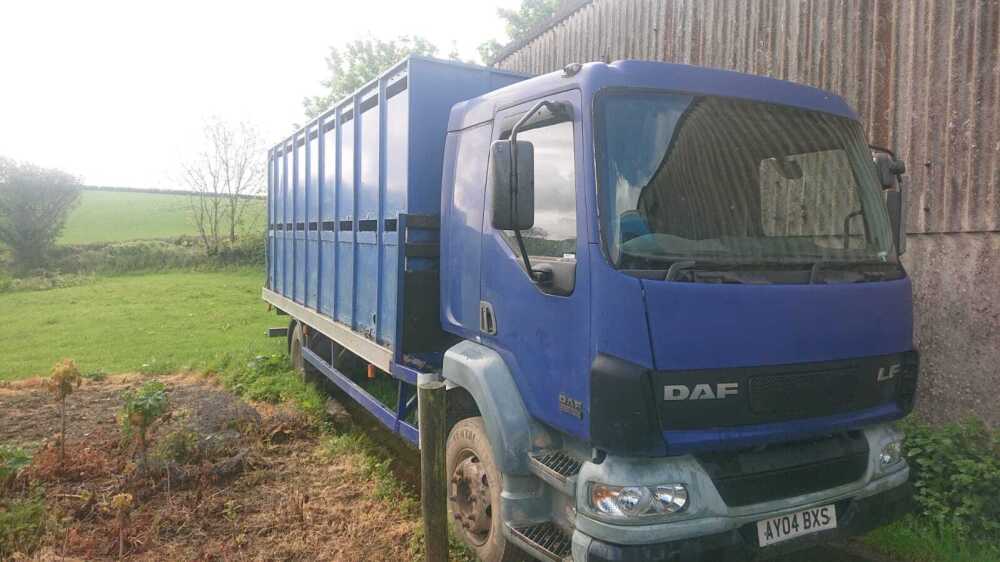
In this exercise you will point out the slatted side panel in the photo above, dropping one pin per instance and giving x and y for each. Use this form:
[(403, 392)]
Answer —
[(925, 76), (334, 199)]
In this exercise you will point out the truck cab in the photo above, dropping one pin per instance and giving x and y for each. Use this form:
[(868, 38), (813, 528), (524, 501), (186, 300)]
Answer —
[(680, 290)]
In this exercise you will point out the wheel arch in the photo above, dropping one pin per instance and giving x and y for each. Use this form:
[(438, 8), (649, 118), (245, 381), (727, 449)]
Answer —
[(478, 374)]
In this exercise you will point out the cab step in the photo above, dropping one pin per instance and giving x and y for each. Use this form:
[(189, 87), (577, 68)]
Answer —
[(543, 539), (557, 468)]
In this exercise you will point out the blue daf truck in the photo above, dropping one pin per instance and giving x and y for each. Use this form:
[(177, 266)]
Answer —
[(666, 301)]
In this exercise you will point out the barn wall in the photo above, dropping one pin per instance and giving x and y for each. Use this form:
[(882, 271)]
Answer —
[(925, 77)]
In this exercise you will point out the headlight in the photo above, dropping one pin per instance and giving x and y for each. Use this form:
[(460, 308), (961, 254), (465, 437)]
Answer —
[(637, 501), (891, 454)]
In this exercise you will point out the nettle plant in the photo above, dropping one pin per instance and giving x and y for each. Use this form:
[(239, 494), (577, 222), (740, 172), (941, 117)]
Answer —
[(142, 407), (65, 378)]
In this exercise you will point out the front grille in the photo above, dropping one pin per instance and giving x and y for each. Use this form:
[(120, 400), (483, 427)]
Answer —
[(816, 393), (788, 469), (777, 393)]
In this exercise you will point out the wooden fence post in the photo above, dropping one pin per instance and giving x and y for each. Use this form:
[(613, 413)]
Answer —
[(433, 481)]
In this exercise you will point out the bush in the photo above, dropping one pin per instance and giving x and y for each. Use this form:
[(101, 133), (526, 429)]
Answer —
[(127, 257), (956, 475), (248, 250)]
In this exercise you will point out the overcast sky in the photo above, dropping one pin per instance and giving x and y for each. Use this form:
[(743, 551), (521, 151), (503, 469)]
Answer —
[(116, 92)]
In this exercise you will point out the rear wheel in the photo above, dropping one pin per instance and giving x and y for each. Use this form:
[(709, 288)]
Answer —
[(295, 345), (474, 486)]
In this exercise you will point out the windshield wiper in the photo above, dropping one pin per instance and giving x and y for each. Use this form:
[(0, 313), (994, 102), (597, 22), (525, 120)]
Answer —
[(677, 267), (680, 266)]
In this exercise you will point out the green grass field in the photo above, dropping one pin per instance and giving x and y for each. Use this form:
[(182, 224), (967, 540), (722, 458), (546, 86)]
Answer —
[(113, 216), (118, 324)]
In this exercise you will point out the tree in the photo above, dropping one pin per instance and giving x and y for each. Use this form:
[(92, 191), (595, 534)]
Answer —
[(65, 378), (520, 23), (224, 180), (34, 205), (361, 61)]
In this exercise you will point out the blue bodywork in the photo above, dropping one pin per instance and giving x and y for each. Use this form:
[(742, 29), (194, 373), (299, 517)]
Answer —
[(343, 192), (412, 147), (549, 342)]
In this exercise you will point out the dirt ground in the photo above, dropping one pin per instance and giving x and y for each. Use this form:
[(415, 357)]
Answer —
[(260, 488)]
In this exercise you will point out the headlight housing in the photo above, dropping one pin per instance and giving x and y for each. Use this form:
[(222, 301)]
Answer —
[(890, 456), (637, 501)]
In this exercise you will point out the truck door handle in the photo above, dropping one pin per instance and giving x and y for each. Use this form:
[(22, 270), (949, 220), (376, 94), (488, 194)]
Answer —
[(487, 320)]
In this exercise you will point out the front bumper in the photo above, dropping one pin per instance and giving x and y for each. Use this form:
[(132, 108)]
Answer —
[(713, 531), (854, 517)]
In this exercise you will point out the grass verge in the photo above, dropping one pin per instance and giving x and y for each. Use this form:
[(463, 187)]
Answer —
[(914, 539)]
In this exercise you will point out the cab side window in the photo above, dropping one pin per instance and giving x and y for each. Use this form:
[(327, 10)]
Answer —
[(554, 232)]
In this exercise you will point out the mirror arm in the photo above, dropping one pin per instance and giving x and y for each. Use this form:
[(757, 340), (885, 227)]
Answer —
[(513, 170)]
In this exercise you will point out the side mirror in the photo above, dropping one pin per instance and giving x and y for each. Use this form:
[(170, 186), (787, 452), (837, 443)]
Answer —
[(890, 169), (513, 197)]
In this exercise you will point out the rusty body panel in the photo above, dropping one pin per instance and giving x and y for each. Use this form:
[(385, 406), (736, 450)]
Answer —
[(925, 78)]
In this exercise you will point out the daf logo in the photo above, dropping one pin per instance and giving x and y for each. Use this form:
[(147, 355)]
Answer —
[(889, 373), (701, 391)]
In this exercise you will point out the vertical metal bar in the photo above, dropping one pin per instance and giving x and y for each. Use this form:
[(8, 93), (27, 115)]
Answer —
[(380, 226), (397, 350), (305, 217), (337, 149), (400, 403), (320, 186), (295, 217), (270, 220), (284, 214), (357, 188)]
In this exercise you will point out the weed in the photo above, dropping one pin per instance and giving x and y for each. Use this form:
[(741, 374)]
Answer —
[(22, 524), (141, 408), (956, 475), (179, 445), (12, 461)]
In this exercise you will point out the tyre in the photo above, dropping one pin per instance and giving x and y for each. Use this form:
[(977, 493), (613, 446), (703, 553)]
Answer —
[(295, 345), (474, 486)]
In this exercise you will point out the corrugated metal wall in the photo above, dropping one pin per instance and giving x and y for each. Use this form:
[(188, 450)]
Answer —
[(925, 77)]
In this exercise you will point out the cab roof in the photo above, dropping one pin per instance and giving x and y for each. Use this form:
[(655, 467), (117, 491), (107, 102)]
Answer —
[(694, 80)]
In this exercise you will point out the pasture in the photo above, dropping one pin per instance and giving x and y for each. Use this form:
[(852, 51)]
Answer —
[(114, 216), (153, 323)]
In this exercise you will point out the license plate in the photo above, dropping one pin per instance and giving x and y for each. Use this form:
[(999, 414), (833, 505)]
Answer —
[(778, 529)]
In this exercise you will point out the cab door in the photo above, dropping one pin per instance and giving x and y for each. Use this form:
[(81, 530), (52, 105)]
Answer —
[(543, 333)]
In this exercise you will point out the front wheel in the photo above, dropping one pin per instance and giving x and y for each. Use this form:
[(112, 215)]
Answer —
[(474, 486)]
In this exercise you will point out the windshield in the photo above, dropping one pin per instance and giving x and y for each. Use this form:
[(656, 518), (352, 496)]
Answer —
[(688, 178)]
